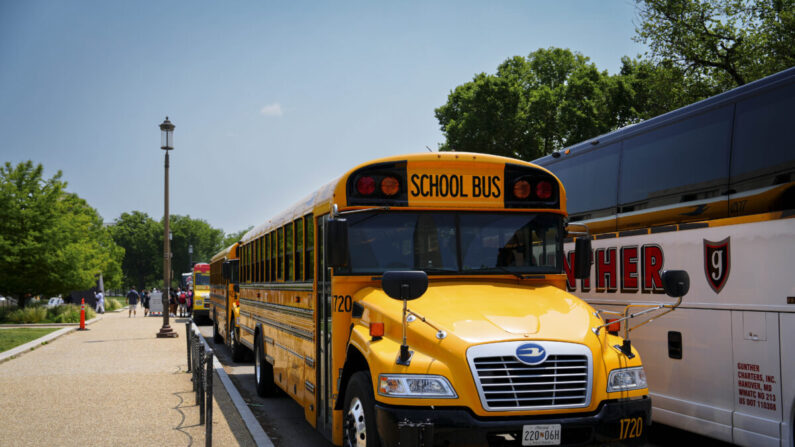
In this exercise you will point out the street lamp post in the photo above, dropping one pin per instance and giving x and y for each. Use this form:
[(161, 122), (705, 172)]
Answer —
[(190, 257), (167, 144)]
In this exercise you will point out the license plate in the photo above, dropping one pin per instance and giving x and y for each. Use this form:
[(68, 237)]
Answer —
[(541, 434)]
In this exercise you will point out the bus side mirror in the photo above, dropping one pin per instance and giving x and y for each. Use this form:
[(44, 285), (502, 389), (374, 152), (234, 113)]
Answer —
[(676, 283), (582, 258), (404, 285), (337, 252)]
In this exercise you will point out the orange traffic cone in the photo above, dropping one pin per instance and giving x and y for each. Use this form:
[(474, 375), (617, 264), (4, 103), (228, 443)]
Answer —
[(83, 314)]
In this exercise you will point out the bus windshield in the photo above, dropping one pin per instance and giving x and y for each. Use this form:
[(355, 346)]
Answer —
[(455, 242), (202, 280)]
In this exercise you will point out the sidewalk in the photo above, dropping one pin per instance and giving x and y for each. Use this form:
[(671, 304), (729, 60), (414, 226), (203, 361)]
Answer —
[(114, 384)]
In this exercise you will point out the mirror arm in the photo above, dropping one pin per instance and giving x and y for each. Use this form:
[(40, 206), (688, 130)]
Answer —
[(628, 316), (440, 334)]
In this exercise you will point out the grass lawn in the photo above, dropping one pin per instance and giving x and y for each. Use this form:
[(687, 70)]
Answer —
[(11, 338)]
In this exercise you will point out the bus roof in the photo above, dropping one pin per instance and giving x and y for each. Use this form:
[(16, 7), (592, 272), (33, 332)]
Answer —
[(201, 267), (752, 88), (230, 251)]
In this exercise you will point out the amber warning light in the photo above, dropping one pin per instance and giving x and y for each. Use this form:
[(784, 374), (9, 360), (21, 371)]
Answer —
[(376, 329)]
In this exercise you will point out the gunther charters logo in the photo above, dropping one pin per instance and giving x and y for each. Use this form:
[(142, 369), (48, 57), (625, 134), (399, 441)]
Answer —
[(531, 354)]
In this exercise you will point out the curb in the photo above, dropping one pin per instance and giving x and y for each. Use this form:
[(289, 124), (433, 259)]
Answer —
[(31, 345), (254, 428)]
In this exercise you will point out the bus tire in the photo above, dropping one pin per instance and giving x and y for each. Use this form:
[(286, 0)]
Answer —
[(359, 427), (263, 371), (238, 354), (216, 336)]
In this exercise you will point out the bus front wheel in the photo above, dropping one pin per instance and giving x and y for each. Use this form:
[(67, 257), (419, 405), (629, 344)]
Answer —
[(263, 371), (238, 354), (359, 428)]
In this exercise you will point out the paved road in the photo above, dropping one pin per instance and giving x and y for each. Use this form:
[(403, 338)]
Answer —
[(283, 419)]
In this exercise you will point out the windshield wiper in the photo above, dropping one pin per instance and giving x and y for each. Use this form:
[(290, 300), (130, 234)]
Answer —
[(500, 268), (437, 271)]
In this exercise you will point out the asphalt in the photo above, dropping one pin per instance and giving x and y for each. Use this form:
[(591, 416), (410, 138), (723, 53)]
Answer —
[(113, 384)]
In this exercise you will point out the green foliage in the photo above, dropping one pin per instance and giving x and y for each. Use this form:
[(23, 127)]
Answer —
[(112, 304), (722, 43), (552, 98), (231, 238), (51, 241), (186, 231), (142, 239), (66, 313)]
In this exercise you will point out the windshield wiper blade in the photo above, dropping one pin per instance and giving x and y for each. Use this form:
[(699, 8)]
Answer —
[(502, 269), (434, 270)]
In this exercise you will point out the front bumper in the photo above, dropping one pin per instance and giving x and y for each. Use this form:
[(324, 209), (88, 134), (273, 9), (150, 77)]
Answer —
[(423, 426)]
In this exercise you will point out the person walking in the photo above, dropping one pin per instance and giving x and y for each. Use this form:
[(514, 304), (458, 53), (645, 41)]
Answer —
[(132, 298), (145, 302), (100, 297), (183, 299), (172, 302)]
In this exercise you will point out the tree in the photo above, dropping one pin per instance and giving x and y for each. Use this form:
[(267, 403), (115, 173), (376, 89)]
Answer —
[(550, 99), (724, 43), (231, 238), (142, 239), (51, 241), (186, 231)]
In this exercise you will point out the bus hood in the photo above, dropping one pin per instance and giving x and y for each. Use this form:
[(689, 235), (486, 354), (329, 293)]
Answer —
[(481, 312)]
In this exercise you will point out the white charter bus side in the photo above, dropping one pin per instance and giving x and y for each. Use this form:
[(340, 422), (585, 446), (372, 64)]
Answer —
[(709, 188)]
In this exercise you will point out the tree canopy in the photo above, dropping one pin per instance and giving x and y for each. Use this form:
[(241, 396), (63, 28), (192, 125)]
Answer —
[(51, 241), (142, 238), (726, 43), (534, 105), (556, 97)]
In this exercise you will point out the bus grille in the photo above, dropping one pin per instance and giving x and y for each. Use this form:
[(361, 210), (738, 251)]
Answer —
[(508, 384)]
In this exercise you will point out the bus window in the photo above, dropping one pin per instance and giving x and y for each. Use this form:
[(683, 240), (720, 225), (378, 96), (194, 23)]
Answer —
[(274, 261), (288, 252), (657, 166), (280, 256), (299, 248), (763, 153), (310, 248), (591, 182)]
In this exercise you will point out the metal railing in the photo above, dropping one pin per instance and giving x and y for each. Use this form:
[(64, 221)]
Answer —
[(200, 365)]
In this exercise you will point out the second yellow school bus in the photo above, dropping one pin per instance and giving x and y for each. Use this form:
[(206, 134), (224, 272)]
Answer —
[(495, 351)]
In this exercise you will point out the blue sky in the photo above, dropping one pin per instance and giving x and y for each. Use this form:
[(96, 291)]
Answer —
[(271, 100)]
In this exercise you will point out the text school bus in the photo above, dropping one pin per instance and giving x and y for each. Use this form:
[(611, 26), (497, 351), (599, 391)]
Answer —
[(201, 290), (224, 306), (421, 300), (709, 188)]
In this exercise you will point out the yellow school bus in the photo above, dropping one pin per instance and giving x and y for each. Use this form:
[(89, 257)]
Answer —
[(201, 290), (224, 306), (421, 300)]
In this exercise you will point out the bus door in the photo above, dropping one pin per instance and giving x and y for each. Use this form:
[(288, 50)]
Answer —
[(325, 402)]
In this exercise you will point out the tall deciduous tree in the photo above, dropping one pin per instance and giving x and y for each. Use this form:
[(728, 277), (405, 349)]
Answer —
[(534, 105), (186, 231), (51, 241), (142, 239), (724, 42)]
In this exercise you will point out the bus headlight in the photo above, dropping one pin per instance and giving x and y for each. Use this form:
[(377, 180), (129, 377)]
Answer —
[(415, 385), (626, 379)]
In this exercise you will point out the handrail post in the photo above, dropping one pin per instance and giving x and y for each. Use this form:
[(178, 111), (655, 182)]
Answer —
[(208, 436), (188, 341)]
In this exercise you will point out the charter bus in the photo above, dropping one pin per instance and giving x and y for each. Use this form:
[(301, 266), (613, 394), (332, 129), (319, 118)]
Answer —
[(224, 306), (421, 299), (201, 290), (709, 188)]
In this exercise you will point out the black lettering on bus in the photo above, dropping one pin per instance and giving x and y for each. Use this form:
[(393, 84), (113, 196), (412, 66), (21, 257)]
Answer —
[(495, 181), (416, 187), (475, 186), (444, 185)]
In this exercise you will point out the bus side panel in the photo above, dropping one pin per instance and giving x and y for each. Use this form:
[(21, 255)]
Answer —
[(787, 327), (757, 416)]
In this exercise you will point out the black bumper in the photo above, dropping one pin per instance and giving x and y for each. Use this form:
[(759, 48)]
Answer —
[(423, 426)]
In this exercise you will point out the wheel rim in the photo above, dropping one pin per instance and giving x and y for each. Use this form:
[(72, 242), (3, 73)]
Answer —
[(355, 424)]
